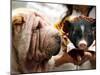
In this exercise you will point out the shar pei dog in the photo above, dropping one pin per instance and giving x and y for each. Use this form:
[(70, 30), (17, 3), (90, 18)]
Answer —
[(34, 41)]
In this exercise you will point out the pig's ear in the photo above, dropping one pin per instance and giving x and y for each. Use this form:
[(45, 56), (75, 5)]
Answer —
[(67, 26), (94, 28), (94, 24)]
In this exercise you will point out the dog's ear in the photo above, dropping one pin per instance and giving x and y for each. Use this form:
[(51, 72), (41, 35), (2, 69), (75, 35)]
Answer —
[(17, 23), (17, 20)]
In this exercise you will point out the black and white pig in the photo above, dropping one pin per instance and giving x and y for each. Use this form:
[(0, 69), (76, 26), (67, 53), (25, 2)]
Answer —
[(81, 32)]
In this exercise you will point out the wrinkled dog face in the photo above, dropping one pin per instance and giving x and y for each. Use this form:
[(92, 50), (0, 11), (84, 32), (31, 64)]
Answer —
[(34, 40)]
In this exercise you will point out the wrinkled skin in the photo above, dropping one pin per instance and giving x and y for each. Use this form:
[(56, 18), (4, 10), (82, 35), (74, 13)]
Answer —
[(34, 41)]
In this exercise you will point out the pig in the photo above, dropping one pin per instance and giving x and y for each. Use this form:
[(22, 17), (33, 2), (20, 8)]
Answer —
[(34, 41), (80, 31), (81, 34)]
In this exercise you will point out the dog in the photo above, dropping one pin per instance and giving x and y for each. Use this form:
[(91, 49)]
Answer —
[(34, 42)]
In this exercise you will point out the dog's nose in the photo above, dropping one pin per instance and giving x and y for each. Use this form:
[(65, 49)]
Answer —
[(82, 44)]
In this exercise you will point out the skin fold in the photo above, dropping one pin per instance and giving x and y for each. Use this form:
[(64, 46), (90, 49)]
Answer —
[(34, 41)]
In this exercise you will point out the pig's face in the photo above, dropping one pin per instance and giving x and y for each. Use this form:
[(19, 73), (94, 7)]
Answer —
[(81, 31)]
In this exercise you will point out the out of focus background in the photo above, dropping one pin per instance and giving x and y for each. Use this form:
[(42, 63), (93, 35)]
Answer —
[(54, 11)]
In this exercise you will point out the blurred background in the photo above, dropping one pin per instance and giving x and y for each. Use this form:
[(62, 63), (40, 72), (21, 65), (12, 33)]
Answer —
[(53, 11)]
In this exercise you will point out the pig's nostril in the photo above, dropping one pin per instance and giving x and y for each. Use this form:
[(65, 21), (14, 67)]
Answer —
[(82, 44)]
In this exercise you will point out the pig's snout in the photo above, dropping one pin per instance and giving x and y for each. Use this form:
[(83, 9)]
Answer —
[(82, 44)]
